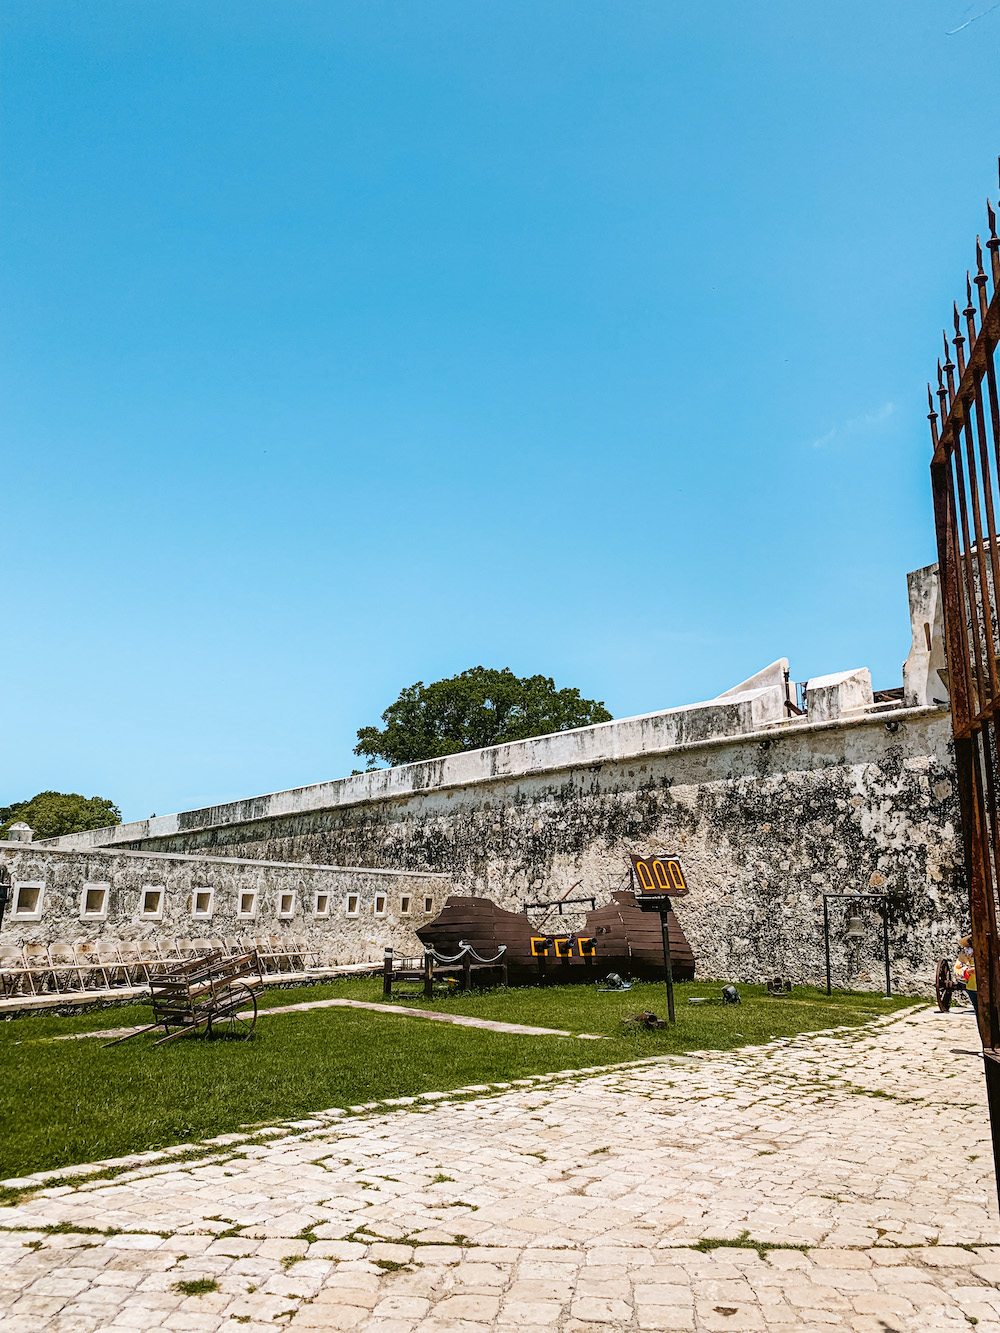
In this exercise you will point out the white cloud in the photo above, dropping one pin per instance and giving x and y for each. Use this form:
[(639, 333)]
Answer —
[(856, 424)]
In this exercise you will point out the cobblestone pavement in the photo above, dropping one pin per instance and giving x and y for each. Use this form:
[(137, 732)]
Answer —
[(847, 1177)]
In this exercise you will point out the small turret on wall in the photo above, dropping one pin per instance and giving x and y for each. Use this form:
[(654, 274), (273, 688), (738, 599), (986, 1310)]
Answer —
[(925, 671)]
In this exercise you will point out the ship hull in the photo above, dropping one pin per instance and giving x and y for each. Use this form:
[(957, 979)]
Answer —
[(626, 940)]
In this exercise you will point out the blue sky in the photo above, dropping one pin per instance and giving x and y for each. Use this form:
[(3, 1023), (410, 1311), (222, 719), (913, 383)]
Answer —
[(350, 344)]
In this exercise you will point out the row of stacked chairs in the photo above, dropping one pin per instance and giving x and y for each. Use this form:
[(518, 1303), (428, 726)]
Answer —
[(107, 964)]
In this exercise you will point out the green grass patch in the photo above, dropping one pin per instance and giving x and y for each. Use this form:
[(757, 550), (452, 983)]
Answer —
[(582, 1008), (197, 1286), (743, 1242), (89, 1103)]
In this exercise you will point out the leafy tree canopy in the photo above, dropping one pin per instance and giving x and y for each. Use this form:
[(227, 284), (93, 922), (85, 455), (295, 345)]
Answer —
[(53, 813), (476, 708)]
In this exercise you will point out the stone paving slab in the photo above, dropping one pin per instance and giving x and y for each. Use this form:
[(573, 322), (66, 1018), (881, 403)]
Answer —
[(830, 1182)]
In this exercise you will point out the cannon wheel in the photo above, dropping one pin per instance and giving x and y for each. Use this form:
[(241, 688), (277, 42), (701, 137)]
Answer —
[(237, 1020), (944, 984)]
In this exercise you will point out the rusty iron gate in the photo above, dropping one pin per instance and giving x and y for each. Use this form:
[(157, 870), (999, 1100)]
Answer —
[(965, 478)]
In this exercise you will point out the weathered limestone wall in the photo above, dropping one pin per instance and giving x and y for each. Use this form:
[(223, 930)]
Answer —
[(363, 908), (765, 820), (740, 712)]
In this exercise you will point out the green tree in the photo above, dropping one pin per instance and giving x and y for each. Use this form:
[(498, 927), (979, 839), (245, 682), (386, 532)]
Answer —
[(476, 708), (53, 813)]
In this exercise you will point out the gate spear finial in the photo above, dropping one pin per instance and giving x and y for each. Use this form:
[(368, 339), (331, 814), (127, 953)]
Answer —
[(949, 367), (981, 280), (959, 341), (970, 310), (993, 245)]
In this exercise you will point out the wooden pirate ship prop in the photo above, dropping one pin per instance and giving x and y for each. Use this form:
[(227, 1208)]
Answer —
[(616, 938)]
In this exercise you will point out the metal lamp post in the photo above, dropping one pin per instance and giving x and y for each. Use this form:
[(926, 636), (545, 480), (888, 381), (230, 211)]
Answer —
[(855, 929)]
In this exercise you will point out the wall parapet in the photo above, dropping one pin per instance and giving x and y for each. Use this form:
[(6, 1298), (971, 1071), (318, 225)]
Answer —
[(744, 717)]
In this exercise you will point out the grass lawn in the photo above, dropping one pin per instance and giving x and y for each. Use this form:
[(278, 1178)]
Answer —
[(69, 1102)]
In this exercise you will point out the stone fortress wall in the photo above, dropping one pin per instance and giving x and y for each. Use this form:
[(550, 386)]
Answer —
[(768, 809), (349, 915)]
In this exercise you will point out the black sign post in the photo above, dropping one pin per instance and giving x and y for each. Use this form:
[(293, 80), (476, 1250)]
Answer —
[(649, 902), (668, 965), (656, 873)]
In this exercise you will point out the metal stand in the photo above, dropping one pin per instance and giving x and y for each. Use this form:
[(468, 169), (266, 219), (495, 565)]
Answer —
[(659, 902), (543, 969), (879, 898), (387, 972), (668, 966)]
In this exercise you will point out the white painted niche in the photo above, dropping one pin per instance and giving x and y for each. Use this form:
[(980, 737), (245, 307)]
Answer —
[(202, 902), (94, 902), (28, 896), (286, 904), (151, 902)]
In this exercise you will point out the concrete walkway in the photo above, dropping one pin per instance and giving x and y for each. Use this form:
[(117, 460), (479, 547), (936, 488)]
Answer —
[(830, 1182), (460, 1020)]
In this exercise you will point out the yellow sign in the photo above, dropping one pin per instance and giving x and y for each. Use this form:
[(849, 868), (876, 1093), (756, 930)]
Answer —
[(660, 875)]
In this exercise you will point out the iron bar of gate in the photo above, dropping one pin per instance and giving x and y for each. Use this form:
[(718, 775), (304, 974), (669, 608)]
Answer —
[(965, 481)]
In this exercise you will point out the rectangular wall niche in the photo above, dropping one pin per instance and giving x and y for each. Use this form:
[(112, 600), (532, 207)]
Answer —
[(322, 904), (379, 908), (428, 904), (404, 906), (151, 908), (247, 906), (352, 904), (201, 902), (27, 902), (94, 902), (286, 905)]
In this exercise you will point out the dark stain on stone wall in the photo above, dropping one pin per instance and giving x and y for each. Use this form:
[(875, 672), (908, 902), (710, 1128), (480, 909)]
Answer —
[(765, 826)]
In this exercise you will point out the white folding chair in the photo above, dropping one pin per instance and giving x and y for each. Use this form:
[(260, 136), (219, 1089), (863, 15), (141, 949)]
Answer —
[(36, 959), (65, 969), (109, 962), (15, 976)]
